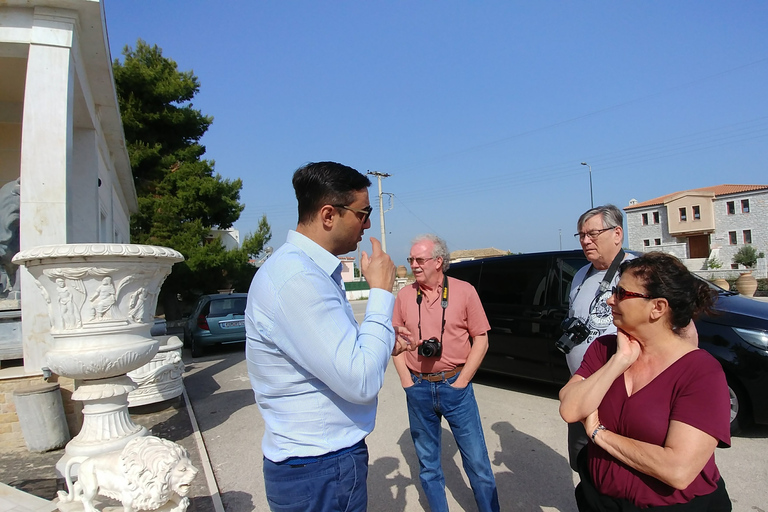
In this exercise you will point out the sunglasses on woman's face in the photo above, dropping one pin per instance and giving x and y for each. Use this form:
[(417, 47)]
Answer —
[(622, 294)]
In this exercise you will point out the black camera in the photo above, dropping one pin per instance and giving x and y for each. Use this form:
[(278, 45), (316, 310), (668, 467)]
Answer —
[(431, 348), (574, 332)]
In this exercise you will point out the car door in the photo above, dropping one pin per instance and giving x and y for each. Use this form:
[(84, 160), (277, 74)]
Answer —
[(513, 291)]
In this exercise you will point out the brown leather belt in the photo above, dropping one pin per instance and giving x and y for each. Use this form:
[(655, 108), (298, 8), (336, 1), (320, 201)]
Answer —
[(439, 376)]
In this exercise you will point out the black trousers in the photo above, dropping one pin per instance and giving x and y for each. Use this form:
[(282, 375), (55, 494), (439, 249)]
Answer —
[(588, 499)]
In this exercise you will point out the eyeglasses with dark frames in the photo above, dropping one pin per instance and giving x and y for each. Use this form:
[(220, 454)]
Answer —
[(622, 294), (592, 234), (365, 211), (420, 261)]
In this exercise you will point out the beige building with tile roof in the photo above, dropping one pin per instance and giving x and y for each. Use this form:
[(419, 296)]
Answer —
[(702, 223)]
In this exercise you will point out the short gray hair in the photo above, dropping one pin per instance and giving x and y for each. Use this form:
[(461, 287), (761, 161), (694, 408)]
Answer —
[(439, 248), (612, 216)]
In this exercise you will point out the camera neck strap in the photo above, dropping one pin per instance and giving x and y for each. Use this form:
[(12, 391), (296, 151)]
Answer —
[(605, 284), (443, 304)]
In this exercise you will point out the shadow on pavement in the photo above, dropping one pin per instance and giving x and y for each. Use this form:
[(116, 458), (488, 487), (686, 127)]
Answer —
[(384, 481), (454, 479), (753, 432), (237, 500), (201, 386), (538, 477)]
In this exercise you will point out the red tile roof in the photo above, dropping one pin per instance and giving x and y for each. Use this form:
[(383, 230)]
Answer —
[(718, 190)]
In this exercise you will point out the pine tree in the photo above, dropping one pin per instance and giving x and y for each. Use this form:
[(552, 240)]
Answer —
[(180, 196)]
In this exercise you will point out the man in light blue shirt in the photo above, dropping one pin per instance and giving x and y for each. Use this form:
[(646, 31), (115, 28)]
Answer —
[(315, 373)]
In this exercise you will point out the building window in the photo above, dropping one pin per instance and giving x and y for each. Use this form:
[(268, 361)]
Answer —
[(645, 219), (683, 215), (747, 236), (655, 217), (745, 206), (730, 208), (646, 242), (732, 237), (657, 241), (696, 213), (734, 265)]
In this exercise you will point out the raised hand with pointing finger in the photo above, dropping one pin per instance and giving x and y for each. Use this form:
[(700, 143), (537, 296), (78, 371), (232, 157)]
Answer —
[(378, 269)]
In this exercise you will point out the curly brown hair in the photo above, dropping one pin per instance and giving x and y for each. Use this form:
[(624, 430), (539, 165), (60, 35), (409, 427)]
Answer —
[(665, 276)]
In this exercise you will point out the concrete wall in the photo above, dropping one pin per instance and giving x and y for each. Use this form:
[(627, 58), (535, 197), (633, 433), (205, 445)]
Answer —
[(637, 232), (756, 221)]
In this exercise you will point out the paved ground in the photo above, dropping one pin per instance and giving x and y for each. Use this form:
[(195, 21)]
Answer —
[(523, 431)]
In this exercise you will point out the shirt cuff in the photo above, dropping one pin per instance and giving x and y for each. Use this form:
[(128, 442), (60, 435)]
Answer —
[(380, 301)]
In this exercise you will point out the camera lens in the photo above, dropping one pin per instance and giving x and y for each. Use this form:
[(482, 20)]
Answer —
[(564, 344)]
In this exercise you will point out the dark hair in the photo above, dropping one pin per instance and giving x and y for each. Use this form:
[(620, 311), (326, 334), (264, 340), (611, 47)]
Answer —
[(320, 183), (665, 276)]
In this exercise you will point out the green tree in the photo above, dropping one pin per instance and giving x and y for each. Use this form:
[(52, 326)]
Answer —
[(180, 196), (747, 256)]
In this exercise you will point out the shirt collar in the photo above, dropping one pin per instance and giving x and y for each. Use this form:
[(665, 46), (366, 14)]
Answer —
[(439, 287), (324, 259)]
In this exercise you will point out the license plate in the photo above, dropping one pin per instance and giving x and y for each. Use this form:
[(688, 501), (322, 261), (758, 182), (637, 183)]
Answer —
[(228, 324)]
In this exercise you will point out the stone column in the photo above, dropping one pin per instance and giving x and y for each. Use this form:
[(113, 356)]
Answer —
[(46, 153)]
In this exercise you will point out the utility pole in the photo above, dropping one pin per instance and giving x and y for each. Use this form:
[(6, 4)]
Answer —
[(591, 197), (380, 175)]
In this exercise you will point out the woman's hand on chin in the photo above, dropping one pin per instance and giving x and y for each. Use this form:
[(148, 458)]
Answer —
[(627, 348)]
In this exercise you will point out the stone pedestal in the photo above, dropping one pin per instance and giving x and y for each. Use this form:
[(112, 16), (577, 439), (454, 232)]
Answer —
[(159, 379)]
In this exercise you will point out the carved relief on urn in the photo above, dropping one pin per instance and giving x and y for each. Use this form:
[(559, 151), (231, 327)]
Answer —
[(101, 297)]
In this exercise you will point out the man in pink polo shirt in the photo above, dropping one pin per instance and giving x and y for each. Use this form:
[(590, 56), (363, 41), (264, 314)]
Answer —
[(447, 315)]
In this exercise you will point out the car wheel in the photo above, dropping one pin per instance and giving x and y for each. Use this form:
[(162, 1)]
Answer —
[(195, 348), (739, 406)]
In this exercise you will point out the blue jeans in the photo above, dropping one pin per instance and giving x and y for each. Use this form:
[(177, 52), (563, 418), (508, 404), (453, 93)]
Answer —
[(428, 402), (329, 483)]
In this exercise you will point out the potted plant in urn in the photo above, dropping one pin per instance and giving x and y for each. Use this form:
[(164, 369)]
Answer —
[(714, 264), (746, 284)]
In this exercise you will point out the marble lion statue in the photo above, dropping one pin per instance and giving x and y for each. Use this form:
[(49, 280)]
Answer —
[(145, 475)]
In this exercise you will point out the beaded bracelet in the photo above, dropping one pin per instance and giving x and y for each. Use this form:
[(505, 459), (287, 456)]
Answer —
[(598, 429)]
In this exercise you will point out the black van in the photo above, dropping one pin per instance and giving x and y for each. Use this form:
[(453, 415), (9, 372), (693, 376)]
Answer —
[(525, 297)]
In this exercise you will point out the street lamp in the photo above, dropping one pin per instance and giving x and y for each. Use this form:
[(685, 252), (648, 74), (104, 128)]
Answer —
[(591, 198)]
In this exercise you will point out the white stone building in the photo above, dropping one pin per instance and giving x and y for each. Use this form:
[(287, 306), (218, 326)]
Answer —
[(230, 238), (702, 223), (60, 131)]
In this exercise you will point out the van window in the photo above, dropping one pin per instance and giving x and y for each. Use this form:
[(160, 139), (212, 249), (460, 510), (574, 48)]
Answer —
[(567, 267), (518, 281), (469, 272)]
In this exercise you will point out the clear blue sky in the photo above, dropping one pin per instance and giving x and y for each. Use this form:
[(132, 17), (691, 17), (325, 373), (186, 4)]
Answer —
[(481, 112)]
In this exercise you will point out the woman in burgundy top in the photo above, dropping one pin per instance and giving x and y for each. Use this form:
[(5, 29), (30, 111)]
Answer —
[(654, 404)]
